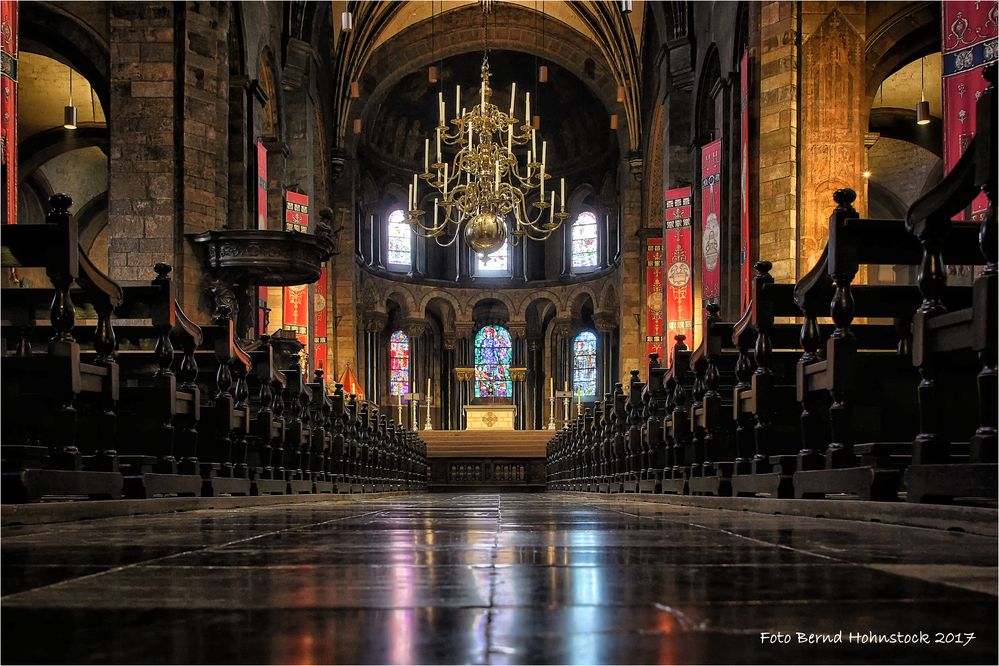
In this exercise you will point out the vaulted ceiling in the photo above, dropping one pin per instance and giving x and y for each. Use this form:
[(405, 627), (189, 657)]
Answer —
[(592, 39)]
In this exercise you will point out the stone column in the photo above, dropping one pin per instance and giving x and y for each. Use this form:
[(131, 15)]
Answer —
[(448, 394), (463, 376), (606, 324), (418, 354), (169, 149), (536, 382), (374, 324), (561, 355), (518, 332), (831, 128)]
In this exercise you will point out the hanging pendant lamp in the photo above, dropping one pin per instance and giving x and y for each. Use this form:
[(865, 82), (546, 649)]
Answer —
[(923, 107), (69, 112)]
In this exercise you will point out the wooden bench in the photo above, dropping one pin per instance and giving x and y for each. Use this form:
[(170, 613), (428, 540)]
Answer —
[(56, 393)]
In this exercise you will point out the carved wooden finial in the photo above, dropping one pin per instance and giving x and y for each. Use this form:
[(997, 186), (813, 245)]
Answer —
[(60, 202), (763, 267), (713, 310), (844, 198), (162, 270)]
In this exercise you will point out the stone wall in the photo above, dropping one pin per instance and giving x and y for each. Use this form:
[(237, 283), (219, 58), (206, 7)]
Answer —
[(778, 140)]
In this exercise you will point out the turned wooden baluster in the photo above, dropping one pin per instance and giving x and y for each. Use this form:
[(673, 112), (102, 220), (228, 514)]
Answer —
[(842, 310), (62, 313), (223, 377), (163, 351)]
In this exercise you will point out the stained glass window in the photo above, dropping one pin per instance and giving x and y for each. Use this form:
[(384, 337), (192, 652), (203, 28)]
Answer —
[(584, 241), (495, 262), (398, 364), (584, 365), (493, 354), (399, 240)]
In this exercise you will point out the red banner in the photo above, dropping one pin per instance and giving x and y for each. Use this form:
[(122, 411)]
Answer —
[(711, 221), (967, 45), (296, 311), (745, 260), (679, 277), (296, 211), (654, 296), (8, 107), (261, 186), (319, 321)]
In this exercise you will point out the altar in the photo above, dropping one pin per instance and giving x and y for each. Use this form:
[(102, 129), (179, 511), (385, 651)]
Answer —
[(490, 417)]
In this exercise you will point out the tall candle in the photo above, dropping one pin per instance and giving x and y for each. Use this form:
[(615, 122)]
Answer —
[(527, 109), (440, 105), (483, 102), (426, 156), (428, 389), (562, 193), (551, 386), (542, 181), (415, 195), (566, 386), (445, 178), (544, 152), (435, 212), (457, 98), (410, 197), (513, 97), (438, 145), (497, 175)]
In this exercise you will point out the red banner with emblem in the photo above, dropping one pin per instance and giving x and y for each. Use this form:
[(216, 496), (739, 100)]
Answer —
[(296, 312), (261, 186), (711, 221), (679, 276), (296, 211), (654, 296), (8, 107), (319, 321), (745, 241), (967, 45)]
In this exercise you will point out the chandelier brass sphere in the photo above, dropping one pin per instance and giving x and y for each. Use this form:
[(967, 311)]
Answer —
[(485, 233)]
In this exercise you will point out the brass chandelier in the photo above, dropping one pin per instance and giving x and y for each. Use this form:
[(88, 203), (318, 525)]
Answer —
[(486, 181)]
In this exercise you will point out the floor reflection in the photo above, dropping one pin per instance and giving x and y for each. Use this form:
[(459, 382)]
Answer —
[(482, 579)]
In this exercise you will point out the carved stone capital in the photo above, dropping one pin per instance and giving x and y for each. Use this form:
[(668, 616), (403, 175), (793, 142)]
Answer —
[(637, 165), (450, 341), (605, 322), (535, 344), (518, 374), (562, 326), (464, 329), (464, 374), (415, 328), (374, 322), (518, 329)]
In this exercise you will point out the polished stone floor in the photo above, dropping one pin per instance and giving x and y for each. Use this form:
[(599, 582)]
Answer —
[(480, 578)]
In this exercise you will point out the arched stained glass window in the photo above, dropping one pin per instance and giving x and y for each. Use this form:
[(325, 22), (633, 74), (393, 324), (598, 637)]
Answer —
[(400, 246), (493, 354), (584, 241), (497, 262), (584, 365), (398, 364)]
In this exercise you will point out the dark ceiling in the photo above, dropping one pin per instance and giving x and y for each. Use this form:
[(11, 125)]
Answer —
[(581, 144)]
